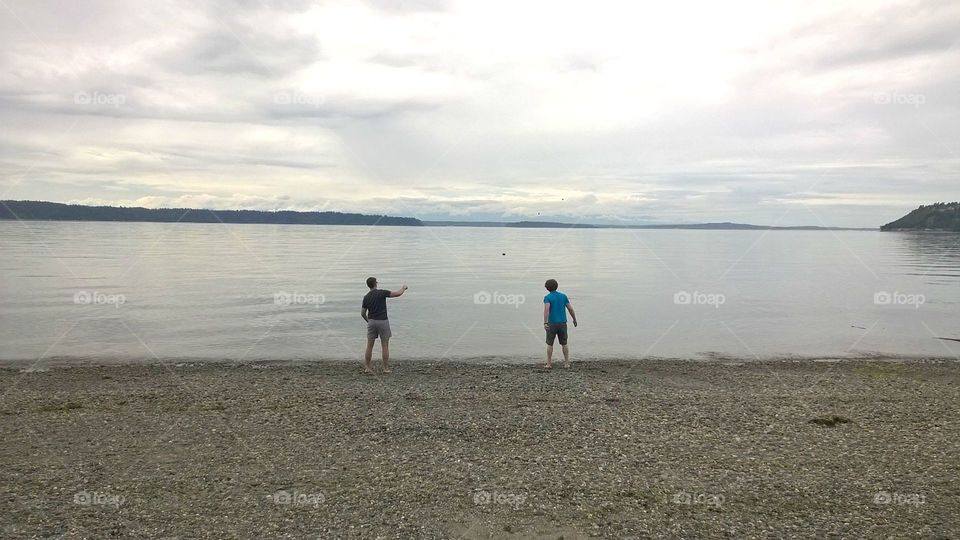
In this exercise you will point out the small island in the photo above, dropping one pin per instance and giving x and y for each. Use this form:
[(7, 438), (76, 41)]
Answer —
[(939, 216)]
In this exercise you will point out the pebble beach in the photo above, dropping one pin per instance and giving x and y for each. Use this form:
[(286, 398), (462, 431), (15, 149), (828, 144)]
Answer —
[(610, 449)]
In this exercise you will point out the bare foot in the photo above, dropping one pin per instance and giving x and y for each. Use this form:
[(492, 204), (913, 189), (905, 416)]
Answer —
[(548, 366), (566, 365), (387, 369), (368, 371)]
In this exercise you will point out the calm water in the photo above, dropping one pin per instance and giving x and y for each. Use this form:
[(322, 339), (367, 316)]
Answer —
[(138, 291)]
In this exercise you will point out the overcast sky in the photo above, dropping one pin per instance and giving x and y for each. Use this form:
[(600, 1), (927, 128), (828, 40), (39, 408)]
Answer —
[(820, 113)]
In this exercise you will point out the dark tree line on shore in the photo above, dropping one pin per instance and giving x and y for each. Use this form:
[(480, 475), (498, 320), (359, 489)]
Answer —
[(939, 216), (49, 211)]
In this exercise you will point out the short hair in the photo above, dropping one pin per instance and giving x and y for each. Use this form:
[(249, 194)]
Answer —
[(371, 282), (551, 285)]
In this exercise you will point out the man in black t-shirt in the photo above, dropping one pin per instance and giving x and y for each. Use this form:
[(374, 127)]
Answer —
[(374, 311)]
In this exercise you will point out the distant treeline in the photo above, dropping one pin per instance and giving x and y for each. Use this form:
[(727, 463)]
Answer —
[(548, 225), (49, 211), (939, 216), (725, 226)]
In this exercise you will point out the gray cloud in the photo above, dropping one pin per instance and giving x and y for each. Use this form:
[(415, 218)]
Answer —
[(895, 32), (239, 49)]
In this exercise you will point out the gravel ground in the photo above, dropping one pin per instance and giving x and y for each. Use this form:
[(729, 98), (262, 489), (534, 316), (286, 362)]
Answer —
[(665, 449)]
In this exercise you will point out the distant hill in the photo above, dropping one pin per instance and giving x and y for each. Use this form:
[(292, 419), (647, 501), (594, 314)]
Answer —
[(548, 225), (50, 211), (935, 217), (725, 226)]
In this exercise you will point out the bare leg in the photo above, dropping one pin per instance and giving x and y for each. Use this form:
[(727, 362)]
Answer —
[(368, 356), (566, 356), (549, 356), (385, 344)]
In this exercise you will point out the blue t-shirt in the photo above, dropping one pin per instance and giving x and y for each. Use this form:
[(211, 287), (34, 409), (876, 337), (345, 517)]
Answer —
[(558, 307)]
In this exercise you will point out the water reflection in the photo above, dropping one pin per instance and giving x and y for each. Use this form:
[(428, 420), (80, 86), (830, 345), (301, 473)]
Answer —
[(935, 256)]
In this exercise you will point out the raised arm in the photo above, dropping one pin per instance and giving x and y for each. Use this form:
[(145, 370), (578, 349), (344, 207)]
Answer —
[(394, 294), (573, 314)]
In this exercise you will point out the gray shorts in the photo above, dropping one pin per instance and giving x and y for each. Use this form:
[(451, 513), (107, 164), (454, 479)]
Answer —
[(378, 328)]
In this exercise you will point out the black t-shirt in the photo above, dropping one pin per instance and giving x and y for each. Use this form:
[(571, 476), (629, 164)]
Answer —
[(376, 303)]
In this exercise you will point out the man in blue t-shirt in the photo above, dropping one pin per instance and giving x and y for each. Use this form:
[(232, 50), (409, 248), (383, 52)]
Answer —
[(555, 307)]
